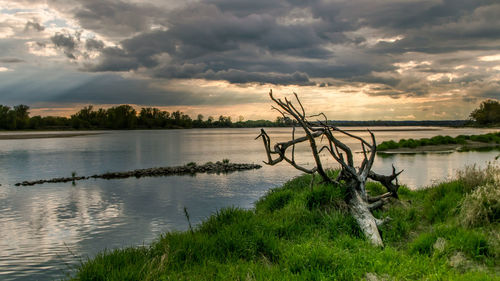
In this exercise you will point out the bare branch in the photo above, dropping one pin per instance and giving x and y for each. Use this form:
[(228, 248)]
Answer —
[(320, 114), (298, 100), (293, 146), (376, 205), (289, 108), (281, 112), (381, 222), (348, 134), (369, 163), (387, 181), (372, 199)]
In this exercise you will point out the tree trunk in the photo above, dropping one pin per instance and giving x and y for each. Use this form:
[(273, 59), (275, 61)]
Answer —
[(366, 221)]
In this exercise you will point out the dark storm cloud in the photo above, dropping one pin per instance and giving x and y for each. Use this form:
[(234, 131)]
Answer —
[(66, 42), (93, 44), (115, 17), (34, 26), (203, 35), (114, 59), (238, 76), (292, 41)]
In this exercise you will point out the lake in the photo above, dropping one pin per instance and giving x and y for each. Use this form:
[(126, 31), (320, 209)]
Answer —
[(46, 229)]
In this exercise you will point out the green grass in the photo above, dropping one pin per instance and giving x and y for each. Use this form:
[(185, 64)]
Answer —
[(439, 140), (294, 233)]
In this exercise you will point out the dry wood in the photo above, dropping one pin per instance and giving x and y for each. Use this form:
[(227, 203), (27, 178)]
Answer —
[(360, 204)]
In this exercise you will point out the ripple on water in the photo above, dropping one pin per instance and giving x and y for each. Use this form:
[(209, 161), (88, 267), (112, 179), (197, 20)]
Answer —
[(47, 229)]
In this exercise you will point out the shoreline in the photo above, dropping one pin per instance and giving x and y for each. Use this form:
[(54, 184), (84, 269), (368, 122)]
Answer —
[(442, 148), (41, 134), (295, 232), (20, 135), (36, 135)]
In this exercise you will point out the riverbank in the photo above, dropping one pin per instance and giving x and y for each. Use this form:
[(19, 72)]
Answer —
[(294, 233), (441, 144), (41, 134), (441, 148), (38, 135)]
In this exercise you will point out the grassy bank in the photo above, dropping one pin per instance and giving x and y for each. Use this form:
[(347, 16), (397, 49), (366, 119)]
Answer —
[(449, 231), (440, 140)]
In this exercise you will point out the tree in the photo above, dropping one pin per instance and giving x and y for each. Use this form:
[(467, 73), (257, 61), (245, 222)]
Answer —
[(224, 121), (487, 113), (198, 123), (122, 117), (83, 118), (152, 117), (352, 178), (7, 120), (22, 116)]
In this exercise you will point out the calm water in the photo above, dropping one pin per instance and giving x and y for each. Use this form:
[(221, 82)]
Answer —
[(46, 229)]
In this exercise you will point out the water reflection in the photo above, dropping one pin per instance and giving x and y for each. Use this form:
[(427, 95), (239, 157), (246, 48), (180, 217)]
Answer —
[(40, 226), (44, 228)]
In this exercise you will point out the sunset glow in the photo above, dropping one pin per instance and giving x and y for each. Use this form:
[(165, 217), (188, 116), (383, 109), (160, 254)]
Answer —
[(220, 57)]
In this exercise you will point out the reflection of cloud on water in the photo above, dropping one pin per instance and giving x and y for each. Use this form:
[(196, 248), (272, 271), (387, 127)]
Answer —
[(36, 223), (40, 225)]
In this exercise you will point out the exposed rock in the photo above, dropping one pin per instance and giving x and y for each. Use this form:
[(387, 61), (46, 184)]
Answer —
[(189, 169)]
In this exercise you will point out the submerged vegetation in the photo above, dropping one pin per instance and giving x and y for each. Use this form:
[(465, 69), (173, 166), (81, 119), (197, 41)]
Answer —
[(298, 233), (463, 140)]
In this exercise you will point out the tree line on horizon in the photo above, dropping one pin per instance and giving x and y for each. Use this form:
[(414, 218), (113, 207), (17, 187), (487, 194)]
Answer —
[(126, 117), (123, 117)]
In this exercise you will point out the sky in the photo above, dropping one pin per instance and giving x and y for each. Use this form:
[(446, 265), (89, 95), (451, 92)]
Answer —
[(352, 59)]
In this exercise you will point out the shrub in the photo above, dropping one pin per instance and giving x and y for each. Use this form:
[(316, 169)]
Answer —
[(387, 145), (438, 140), (425, 141), (481, 138), (411, 143), (473, 176), (482, 206)]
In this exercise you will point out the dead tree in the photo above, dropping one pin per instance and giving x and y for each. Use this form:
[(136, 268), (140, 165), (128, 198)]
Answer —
[(359, 202)]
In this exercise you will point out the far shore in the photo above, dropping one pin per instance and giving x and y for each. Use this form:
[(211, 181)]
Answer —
[(36, 135), (470, 145), (41, 134)]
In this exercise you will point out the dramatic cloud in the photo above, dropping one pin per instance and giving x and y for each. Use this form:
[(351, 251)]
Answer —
[(431, 49), (66, 42), (115, 18)]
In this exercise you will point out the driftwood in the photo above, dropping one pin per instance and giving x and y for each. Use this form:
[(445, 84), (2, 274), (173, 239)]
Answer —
[(360, 204)]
